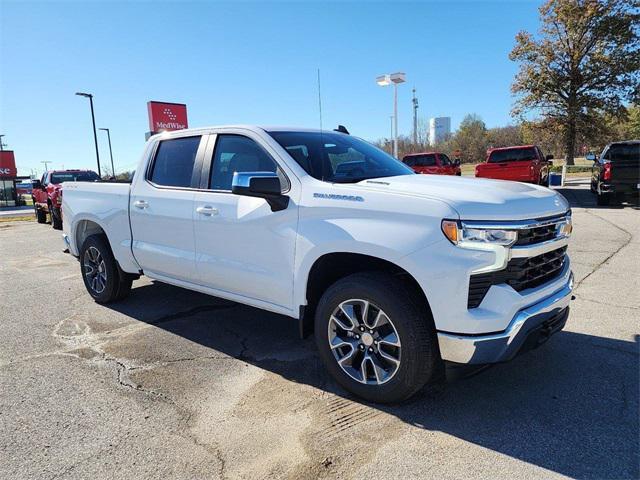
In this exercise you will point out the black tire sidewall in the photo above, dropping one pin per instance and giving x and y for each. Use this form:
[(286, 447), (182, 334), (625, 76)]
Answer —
[(417, 336), (110, 292)]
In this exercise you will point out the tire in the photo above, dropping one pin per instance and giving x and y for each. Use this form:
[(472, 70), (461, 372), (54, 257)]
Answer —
[(418, 354), (41, 215), (603, 199), (101, 274), (56, 218)]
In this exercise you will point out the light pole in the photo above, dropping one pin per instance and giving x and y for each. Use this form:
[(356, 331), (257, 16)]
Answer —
[(93, 120), (113, 171), (395, 79), (2, 145)]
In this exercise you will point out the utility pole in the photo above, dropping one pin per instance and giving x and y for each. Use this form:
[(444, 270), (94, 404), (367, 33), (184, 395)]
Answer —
[(93, 121), (46, 164), (415, 117), (2, 145), (113, 170)]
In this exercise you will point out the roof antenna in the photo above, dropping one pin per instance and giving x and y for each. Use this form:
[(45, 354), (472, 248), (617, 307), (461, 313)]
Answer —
[(319, 100)]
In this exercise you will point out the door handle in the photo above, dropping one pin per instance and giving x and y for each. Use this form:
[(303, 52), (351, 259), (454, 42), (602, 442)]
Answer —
[(207, 210), (140, 204)]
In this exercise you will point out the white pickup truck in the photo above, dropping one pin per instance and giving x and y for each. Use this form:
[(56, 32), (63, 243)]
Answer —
[(394, 272)]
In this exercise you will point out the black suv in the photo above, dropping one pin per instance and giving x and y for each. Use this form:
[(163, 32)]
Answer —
[(616, 174)]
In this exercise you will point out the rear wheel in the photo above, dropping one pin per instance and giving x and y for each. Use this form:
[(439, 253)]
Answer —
[(102, 277), (374, 339), (603, 199)]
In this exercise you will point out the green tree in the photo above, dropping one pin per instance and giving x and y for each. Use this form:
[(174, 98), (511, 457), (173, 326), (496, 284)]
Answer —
[(584, 63), (471, 139)]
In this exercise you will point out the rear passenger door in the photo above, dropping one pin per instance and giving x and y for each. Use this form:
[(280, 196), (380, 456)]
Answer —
[(161, 209)]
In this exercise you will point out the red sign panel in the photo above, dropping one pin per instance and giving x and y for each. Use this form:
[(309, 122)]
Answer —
[(7, 164), (167, 116)]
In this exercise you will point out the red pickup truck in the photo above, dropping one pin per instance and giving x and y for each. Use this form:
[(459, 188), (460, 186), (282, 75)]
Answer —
[(435, 163), (524, 163), (47, 193)]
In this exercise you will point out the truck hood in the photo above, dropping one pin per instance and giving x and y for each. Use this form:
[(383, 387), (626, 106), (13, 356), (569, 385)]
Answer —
[(476, 198)]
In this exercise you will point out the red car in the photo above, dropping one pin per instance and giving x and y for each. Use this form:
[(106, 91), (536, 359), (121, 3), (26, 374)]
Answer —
[(524, 163), (47, 193), (432, 162)]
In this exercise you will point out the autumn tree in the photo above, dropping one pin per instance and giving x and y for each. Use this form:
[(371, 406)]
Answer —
[(584, 63)]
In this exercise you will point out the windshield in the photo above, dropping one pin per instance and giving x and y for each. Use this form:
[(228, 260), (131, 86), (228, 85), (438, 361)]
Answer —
[(60, 177), (339, 158), (513, 155)]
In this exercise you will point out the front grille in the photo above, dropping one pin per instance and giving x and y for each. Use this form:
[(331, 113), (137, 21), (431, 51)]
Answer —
[(520, 274), (529, 236)]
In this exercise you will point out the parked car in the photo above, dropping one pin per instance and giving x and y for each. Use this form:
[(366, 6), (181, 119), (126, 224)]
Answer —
[(47, 193), (615, 175), (394, 272), (524, 163), (436, 163)]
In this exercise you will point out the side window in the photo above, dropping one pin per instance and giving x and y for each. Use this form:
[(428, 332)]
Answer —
[(409, 161), (173, 164), (235, 153), (427, 160), (44, 178), (444, 160)]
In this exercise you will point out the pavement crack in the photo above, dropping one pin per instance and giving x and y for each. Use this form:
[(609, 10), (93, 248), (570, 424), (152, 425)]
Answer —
[(610, 256)]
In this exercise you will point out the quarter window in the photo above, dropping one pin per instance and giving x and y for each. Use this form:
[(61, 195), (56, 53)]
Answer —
[(235, 153), (173, 165)]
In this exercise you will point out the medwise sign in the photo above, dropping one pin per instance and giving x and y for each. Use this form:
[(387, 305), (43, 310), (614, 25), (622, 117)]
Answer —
[(7, 164), (167, 116)]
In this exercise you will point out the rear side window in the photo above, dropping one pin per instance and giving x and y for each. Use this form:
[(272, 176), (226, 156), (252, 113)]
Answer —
[(513, 155), (173, 165), (428, 160), (409, 161)]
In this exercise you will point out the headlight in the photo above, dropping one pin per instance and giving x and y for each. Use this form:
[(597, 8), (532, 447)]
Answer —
[(458, 234), (565, 228)]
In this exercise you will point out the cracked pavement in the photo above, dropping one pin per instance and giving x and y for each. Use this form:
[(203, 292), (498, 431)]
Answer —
[(174, 384)]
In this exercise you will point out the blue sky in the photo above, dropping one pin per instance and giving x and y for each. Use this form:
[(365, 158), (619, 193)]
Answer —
[(243, 63)]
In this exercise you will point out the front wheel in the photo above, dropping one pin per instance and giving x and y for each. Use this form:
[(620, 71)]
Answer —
[(56, 218), (375, 339), (102, 277), (41, 215)]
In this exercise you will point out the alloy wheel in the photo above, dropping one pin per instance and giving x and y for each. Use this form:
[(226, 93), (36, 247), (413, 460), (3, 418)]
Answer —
[(364, 342), (95, 270)]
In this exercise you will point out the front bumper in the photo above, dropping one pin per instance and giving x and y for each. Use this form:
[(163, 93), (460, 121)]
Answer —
[(530, 327)]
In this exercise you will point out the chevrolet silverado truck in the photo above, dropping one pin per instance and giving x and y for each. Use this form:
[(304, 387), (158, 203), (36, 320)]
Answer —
[(615, 175), (394, 273), (524, 163), (47, 193)]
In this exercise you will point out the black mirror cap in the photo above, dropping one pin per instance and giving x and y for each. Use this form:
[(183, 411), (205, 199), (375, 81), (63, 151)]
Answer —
[(261, 185), (549, 157)]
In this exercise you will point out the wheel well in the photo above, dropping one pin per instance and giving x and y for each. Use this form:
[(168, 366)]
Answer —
[(330, 268), (86, 228)]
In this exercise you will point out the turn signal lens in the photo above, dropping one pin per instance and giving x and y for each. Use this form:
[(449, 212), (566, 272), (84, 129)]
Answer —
[(450, 230)]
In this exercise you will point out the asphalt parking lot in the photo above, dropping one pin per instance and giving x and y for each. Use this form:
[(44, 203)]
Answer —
[(174, 384)]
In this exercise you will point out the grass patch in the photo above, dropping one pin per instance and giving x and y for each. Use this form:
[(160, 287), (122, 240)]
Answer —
[(22, 218)]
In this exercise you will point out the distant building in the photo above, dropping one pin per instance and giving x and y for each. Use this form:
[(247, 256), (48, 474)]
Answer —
[(439, 129)]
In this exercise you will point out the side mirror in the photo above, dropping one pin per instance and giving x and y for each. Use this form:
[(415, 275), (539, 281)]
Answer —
[(549, 157), (36, 184), (592, 157), (262, 185)]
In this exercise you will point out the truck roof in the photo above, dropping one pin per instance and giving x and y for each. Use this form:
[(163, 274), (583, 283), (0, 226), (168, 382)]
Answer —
[(254, 128), (509, 148)]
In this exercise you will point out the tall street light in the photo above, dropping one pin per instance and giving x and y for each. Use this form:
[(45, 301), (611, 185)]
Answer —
[(395, 79), (93, 120), (113, 170)]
